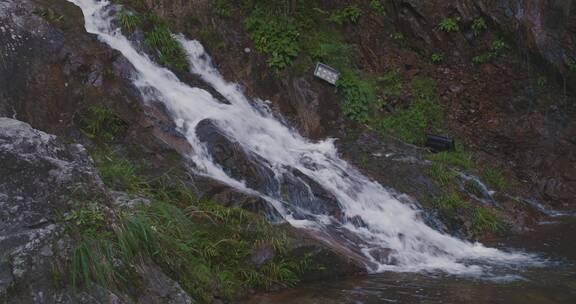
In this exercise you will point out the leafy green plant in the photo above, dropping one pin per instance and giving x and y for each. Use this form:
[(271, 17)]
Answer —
[(275, 36), (168, 51), (129, 21), (88, 219), (448, 25), (437, 58), (358, 95), (378, 7), (102, 124), (350, 14), (486, 221), (495, 178), (479, 26)]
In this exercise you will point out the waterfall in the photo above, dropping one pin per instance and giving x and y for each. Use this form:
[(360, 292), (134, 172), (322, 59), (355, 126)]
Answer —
[(371, 218)]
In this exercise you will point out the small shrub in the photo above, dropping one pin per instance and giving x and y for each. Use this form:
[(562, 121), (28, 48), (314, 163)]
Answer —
[(397, 36), (495, 178), (277, 37), (486, 221), (449, 25), (498, 46), (479, 26), (437, 58), (350, 14), (359, 97), (449, 203), (169, 52)]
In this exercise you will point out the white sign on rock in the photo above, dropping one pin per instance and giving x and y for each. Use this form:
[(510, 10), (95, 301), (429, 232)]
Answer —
[(326, 73)]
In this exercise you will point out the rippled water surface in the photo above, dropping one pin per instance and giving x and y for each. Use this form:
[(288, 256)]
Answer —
[(555, 283)]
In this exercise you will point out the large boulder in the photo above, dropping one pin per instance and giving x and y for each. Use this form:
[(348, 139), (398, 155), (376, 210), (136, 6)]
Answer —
[(41, 179)]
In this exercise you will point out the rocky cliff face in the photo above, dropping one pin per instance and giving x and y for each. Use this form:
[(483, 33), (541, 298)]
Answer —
[(545, 30), (42, 180)]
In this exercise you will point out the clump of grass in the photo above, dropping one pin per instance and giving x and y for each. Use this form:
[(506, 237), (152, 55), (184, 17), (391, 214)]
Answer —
[(102, 124), (168, 51), (359, 97), (495, 178), (118, 173), (347, 15), (448, 25), (411, 123), (457, 158), (486, 221), (442, 174), (449, 203), (129, 21), (275, 36)]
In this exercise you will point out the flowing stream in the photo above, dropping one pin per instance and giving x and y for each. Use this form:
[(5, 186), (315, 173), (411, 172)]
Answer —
[(372, 217)]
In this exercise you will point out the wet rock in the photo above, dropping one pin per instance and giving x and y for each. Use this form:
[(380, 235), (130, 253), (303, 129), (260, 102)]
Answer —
[(236, 162)]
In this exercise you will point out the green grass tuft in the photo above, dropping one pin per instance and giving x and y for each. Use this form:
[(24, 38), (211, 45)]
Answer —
[(129, 21), (495, 178), (486, 221), (442, 174), (168, 51), (102, 124)]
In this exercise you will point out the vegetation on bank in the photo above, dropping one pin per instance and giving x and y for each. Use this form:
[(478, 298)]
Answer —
[(204, 246)]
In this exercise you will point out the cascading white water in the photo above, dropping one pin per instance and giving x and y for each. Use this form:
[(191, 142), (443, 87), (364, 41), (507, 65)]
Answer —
[(388, 223)]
